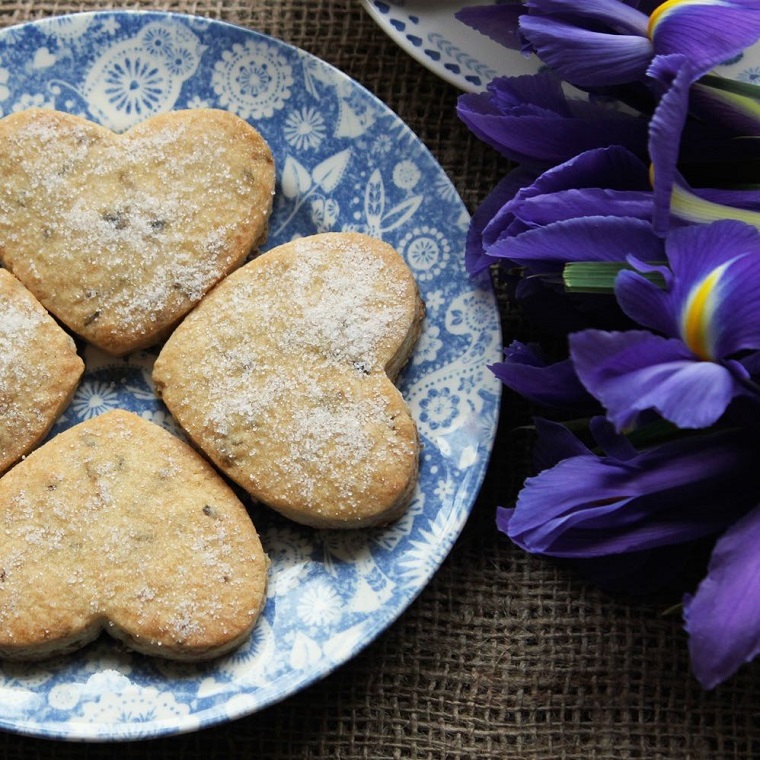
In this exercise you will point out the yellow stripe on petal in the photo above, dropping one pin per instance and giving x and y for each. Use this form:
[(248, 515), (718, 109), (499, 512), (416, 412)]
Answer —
[(670, 5), (691, 208), (739, 103), (696, 319)]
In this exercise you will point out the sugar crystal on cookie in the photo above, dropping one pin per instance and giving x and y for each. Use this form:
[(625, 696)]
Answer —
[(120, 235), (117, 544), (283, 375), (39, 371)]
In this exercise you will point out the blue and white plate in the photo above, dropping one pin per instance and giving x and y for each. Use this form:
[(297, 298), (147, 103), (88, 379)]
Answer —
[(430, 32), (345, 162)]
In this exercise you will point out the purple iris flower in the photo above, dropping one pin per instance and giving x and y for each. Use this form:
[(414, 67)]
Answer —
[(689, 205), (573, 36), (665, 129), (735, 117), (618, 511), (532, 122), (476, 258), (669, 49), (554, 384), (723, 616), (738, 113), (627, 511), (595, 207), (705, 318), (595, 505), (529, 119)]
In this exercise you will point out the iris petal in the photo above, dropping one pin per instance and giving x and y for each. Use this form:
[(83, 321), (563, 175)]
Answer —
[(542, 90), (697, 316), (708, 33), (555, 443), (550, 384), (575, 53), (665, 128), (476, 260), (576, 202), (723, 617), (591, 238), (589, 506), (700, 207), (631, 372), (722, 259), (737, 112), (614, 167), (613, 14), (529, 119), (645, 303)]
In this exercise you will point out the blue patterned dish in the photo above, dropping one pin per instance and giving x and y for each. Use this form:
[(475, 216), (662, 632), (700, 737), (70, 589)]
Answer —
[(431, 33), (345, 162), (745, 67)]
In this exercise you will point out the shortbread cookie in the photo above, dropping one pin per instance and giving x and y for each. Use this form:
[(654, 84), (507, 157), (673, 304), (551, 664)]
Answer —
[(116, 524), (283, 377), (39, 370), (120, 235)]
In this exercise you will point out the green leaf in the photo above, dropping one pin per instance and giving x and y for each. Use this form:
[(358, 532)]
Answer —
[(599, 276), (745, 89), (653, 433)]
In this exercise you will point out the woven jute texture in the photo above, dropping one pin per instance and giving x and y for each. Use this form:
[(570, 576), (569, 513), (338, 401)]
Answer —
[(503, 655)]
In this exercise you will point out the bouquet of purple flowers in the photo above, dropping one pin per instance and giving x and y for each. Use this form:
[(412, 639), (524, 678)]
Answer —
[(632, 219)]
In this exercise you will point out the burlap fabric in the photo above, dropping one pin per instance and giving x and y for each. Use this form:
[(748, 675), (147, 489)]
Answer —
[(502, 655)]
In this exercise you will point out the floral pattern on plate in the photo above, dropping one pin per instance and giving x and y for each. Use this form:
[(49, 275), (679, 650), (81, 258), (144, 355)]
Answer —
[(432, 35), (345, 162)]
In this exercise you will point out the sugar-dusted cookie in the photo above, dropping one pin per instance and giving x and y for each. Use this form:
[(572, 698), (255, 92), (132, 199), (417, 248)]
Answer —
[(39, 370), (283, 376), (120, 235), (116, 524)]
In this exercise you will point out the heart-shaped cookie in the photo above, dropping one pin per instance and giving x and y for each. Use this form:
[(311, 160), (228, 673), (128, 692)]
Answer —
[(120, 235), (283, 376), (39, 370), (116, 524)]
